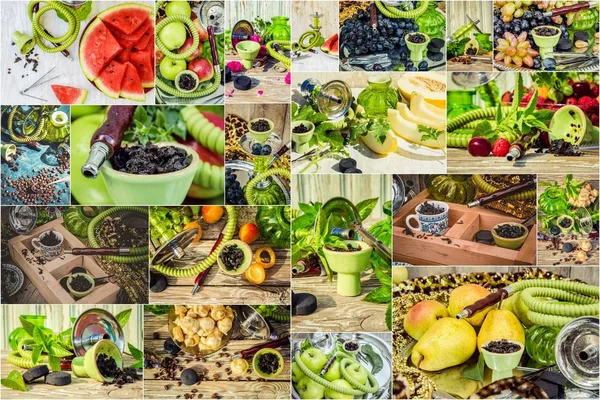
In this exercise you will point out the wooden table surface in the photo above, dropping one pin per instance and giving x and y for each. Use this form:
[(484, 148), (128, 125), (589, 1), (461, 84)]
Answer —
[(337, 313), (461, 162), (14, 17), (225, 289), (248, 388), (549, 257), (80, 388), (264, 78), (474, 66)]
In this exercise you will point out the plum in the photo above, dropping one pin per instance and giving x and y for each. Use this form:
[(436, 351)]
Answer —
[(479, 147)]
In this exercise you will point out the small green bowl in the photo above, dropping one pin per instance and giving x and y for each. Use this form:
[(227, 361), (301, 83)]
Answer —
[(502, 365), (108, 348), (260, 137), (77, 294), (247, 50), (301, 140), (348, 266), (417, 50), (161, 189), (247, 258), (510, 243), (256, 359), (546, 43)]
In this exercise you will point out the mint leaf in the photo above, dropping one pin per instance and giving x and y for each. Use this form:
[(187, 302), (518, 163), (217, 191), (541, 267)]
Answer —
[(334, 242), (56, 349), (35, 355), (532, 103), (366, 207), (15, 381), (137, 354), (482, 129), (123, 317), (388, 316), (543, 115), (518, 95), (54, 363), (140, 116), (375, 358), (28, 326), (475, 372), (380, 295)]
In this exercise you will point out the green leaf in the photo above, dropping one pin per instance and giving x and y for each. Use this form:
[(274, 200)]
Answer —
[(385, 277), (35, 354), (475, 372), (532, 103), (482, 129), (380, 129), (15, 381), (144, 140), (57, 349), (499, 114), (54, 363), (366, 207), (303, 222), (140, 115), (294, 110), (160, 119), (374, 358), (518, 95), (123, 317), (137, 354), (305, 345), (543, 115), (307, 209), (429, 133), (28, 326), (382, 294), (388, 316), (39, 337), (334, 242)]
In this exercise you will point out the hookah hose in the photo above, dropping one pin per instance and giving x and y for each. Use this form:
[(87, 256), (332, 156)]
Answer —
[(40, 33), (346, 360), (138, 254), (23, 358), (393, 12), (249, 189), (285, 45), (314, 39), (488, 188), (228, 233), (474, 115), (271, 312), (577, 299), (38, 134)]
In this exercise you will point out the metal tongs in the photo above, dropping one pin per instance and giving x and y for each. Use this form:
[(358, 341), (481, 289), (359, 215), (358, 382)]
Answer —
[(311, 153), (366, 62), (37, 83), (573, 60)]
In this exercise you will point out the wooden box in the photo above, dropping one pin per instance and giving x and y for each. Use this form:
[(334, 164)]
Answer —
[(457, 246), (46, 277)]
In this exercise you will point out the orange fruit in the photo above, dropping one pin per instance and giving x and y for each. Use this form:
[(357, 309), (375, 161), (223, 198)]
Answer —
[(249, 232), (212, 214), (255, 274), (192, 225)]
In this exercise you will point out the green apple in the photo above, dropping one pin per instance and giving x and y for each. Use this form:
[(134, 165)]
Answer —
[(297, 374), (399, 274), (173, 35), (309, 389), (358, 372), (178, 7), (169, 68), (330, 394), (314, 359), (333, 373)]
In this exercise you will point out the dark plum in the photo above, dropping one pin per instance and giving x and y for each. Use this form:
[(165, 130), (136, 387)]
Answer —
[(479, 147)]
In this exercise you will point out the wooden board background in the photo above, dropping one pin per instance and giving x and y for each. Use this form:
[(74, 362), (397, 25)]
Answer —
[(301, 17), (250, 9), (456, 11)]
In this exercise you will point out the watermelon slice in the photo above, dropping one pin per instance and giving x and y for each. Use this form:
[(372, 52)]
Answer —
[(326, 47), (123, 56), (131, 87), (134, 36), (96, 49), (109, 81), (69, 95), (333, 50), (145, 39), (126, 17), (142, 61)]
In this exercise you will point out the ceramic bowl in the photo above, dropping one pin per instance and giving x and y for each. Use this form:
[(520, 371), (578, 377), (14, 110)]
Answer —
[(77, 294), (248, 259), (106, 347), (546, 43), (348, 266), (502, 364), (247, 50), (301, 140), (260, 137), (160, 189), (510, 243)]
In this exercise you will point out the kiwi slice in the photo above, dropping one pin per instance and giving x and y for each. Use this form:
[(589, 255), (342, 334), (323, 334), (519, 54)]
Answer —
[(187, 81)]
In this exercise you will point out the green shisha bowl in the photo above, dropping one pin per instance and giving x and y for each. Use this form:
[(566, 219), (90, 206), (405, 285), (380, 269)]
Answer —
[(90, 365), (260, 137), (502, 365), (416, 49), (348, 266), (301, 140), (74, 292), (546, 43), (572, 125), (247, 50), (510, 243)]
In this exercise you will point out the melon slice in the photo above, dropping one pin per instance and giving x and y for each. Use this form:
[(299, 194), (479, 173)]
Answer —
[(142, 43), (96, 49), (109, 81), (431, 85), (142, 61), (131, 86), (123, 56), (409, 131), (421, 108), (326, 47), (135, 35), (69, 95), (126, 17), (408, 115)]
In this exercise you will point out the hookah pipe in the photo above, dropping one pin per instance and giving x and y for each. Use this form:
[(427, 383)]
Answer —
[(107, 139), (100, 251), (273, 344), (500, 194), (569, 9)]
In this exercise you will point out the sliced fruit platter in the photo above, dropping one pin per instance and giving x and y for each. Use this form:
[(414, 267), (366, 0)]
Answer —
[(546, 35), (480, 333), (116, 51), (395, 117), (403, 36), (341, 366)]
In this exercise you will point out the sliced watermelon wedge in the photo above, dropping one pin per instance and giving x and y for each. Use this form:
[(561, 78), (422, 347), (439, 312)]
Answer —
[(326, 47), (145, 39), (123, 56), (109, 81), (69, 95), (142, 61), (131, 87), (96, 49), (333, 50), (134, 36), (126, 17)]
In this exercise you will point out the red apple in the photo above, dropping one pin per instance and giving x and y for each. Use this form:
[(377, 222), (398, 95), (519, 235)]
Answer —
[(186, 46), (203, 68), (201, 31)]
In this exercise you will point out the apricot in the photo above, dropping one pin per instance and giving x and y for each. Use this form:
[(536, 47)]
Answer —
[(255, 274), (249, 232), (212, 214)]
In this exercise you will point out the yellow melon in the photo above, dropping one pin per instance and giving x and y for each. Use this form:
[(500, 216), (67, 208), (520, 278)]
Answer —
[(409, 131), (431, 85), (423, 109), (407, 114), (389, 145)]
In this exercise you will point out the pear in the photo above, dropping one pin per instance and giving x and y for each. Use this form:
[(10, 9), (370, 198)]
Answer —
[(517, 307), (447, 342), (466, 295), (500, 324), (421, 316)]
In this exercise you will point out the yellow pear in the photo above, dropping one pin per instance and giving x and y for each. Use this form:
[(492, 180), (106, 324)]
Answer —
[(517, 307), (500, 324), (447, 342), (421, 316), (466, 295)]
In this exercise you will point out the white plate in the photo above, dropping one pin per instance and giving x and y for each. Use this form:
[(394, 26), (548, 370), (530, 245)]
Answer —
[(418, 149)]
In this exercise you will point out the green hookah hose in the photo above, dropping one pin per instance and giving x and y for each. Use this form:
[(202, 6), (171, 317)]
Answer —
[(314, 39), (138, 254), (488, 188), (38, 134), (39, 32), (271, 312), (249, 189), (23, 358), (393, 12), (285, 45), (474, 115), (228, 233)]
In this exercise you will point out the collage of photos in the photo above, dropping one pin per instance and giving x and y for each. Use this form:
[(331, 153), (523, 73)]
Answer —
[(299, 199)]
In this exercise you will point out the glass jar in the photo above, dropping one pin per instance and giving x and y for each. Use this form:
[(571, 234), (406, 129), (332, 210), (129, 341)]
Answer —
[(378, 97), (279, 30), (539, 343), (459, 102), (432, 22), (19, 333)]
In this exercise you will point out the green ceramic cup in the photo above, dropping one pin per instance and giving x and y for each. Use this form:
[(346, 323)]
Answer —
[(260, 137), (502, 365), (417, 49), (546, 43), (247, 258), (510, 243), (78, 367), (348, 266), (74, 292), (301, 140), (106, 347), (161, 189), (247, 50)]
